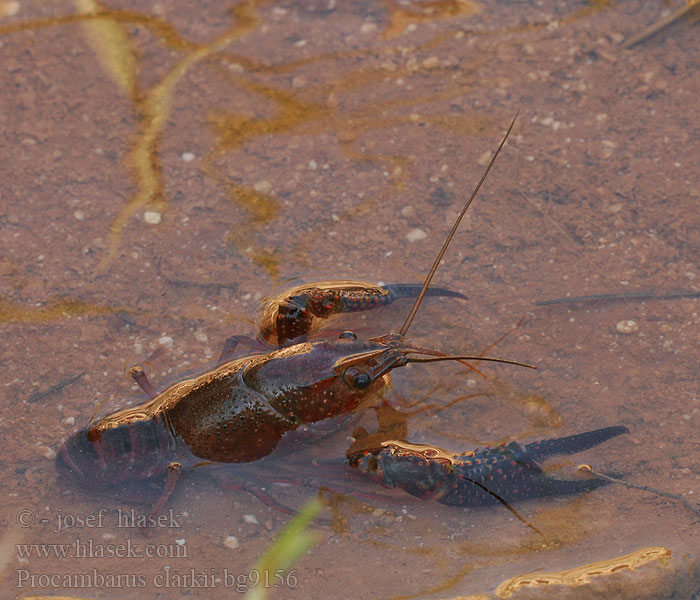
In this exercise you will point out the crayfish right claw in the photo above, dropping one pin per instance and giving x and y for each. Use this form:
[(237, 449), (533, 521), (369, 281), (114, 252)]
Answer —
[(505, 474)]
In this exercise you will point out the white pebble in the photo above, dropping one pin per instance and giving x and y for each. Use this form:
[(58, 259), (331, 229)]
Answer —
[(79, 215), (151, 217), (231, 542), (627, 326), (368, 27), (187, 156), (264, 186), (8, 9), (166, 340), (484, 158), (200, 336), (69, 420), (250, 519), (416, 234), (47, 452)]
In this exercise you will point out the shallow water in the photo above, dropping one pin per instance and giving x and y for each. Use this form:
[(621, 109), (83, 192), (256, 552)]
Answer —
[(164, 168)]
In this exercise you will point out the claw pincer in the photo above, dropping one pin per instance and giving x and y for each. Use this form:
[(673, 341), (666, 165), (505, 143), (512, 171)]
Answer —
[(505, 474), (299, 311)]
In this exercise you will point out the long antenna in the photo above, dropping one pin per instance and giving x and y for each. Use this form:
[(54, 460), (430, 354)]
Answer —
[(428, 279)]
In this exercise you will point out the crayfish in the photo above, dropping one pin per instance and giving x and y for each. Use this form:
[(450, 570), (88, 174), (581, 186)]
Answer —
[(240, 410)]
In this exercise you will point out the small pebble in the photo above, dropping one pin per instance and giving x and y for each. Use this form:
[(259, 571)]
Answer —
[(627, 326), (8, 9), (151, 217), (250, 519), (166, 340), (47, 452), (263, 186), (200, 336), (231, 542), (69, 420), (79, 215), (187, 156), (484, 158), (415, 235)]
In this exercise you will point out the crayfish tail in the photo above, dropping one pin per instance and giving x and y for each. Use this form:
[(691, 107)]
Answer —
[(572, 444)]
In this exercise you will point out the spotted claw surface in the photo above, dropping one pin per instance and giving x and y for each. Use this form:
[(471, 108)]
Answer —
[(507, 473)]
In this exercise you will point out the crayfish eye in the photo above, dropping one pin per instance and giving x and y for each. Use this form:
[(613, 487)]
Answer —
[(347, 335), (362, 381), (357, 379)]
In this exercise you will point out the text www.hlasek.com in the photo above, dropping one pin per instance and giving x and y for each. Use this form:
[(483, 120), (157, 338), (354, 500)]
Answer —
[(91, 549)]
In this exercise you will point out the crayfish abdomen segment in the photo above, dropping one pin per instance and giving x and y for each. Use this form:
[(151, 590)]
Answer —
[(135, 450)]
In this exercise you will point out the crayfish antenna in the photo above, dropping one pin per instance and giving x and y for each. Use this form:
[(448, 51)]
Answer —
[(431, 352), (429, 278), (514, 512), (461, 358)]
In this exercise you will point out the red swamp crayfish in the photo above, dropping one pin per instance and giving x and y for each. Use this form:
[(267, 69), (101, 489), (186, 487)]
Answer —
[(240, 410)]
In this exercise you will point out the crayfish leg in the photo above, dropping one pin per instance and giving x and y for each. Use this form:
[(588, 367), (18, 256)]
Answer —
[(139, 376), (266, 499), (238, 344), (174, 473)]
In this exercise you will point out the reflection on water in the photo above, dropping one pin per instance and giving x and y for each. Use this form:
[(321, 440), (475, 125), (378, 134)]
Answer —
[(167, 167)]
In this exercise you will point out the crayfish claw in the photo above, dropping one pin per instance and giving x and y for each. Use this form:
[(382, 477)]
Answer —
[(572, 444), (505, 474)]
